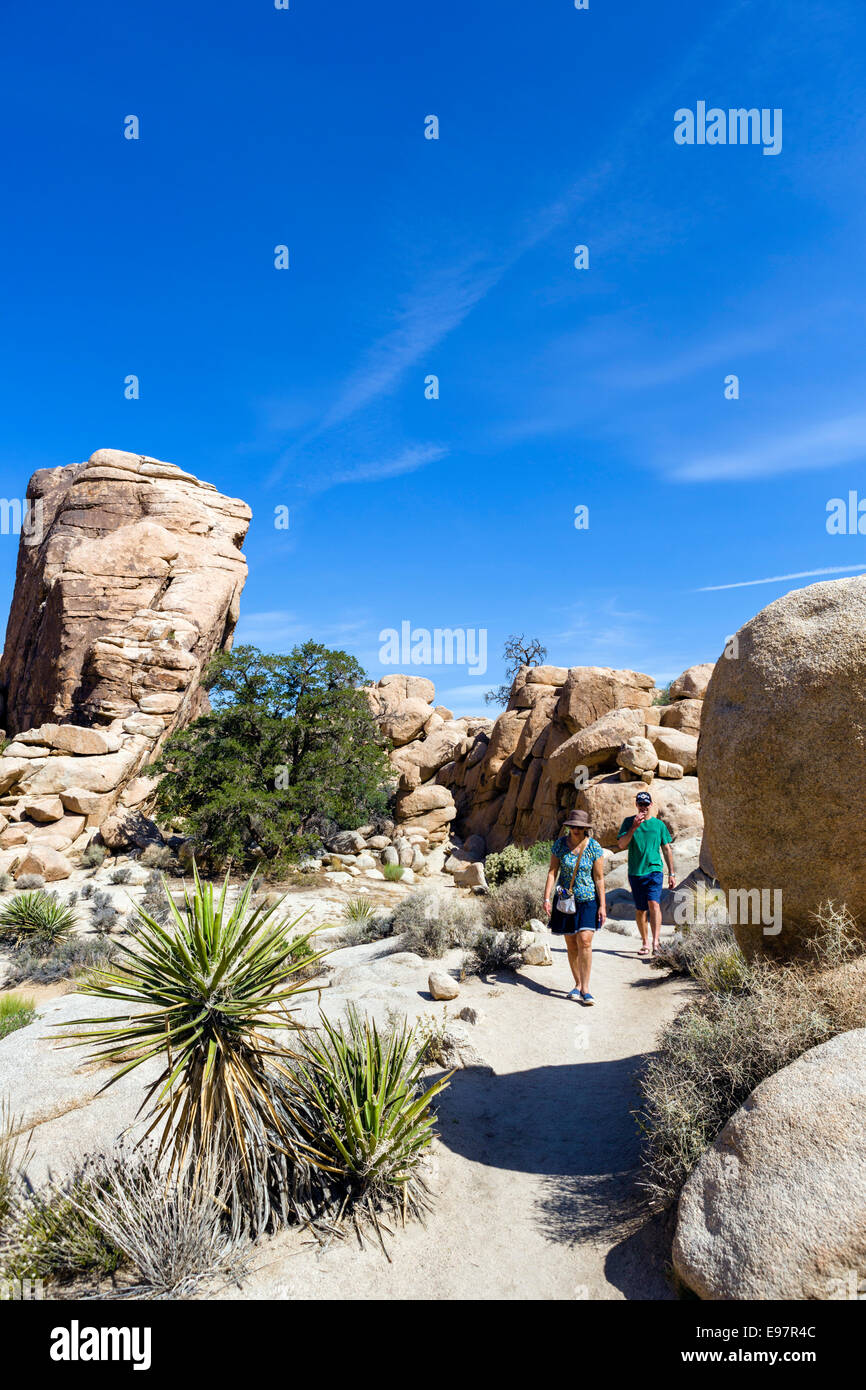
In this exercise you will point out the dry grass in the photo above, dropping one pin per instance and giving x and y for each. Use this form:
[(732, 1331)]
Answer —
[(753, 1020)]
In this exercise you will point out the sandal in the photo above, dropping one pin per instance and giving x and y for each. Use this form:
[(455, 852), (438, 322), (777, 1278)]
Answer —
[(644, 951)]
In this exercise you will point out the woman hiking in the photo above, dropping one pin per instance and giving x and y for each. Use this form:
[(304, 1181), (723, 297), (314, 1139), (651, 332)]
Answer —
[(577, 909)]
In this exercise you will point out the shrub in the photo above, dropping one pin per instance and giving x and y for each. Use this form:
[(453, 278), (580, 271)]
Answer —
[(540, 852), (52, 1235), (13, 1155), (393, 872), (662, 696), (836, 938), (366, 922), (510, 906), (93, 856), (36, 916), (683, 952), (46, 964), (714, 1054), (211, 985), (492, 951), (507, 863), (6, 882), (27, 881), (170, 1233), (159, 857), (155, 900), (122, 874), (722, 971), (104, 916), (432, 920), (371, 1118), (15, 1012)]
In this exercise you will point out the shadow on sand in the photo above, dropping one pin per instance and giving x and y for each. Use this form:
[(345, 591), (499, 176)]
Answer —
[(571, 1125)]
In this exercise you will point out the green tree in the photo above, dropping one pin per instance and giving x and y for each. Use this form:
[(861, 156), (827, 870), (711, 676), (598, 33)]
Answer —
[(289, 746)]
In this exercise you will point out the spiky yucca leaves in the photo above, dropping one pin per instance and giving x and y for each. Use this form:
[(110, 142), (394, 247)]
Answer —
[(214, 982), (369, 1114), (36, 917)]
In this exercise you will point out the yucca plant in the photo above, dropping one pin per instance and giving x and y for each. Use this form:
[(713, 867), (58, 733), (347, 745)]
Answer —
[(214, 982), (371, 1117), (359, 910), (36, 917)]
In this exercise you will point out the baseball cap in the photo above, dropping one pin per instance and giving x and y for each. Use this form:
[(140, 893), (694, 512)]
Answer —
[(644, 799)]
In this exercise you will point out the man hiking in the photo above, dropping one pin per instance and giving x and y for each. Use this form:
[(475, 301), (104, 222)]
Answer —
[(647, 838)]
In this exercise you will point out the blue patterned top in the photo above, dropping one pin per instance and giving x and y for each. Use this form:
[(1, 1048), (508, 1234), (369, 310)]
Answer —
[(584, 885)]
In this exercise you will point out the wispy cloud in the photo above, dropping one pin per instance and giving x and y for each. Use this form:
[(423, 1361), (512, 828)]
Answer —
[(781, 578), (825, 445), (409, 461), (278, 626)]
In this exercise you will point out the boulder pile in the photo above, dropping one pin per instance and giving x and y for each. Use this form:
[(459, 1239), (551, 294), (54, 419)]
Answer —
[(132, 586), (579, 736)]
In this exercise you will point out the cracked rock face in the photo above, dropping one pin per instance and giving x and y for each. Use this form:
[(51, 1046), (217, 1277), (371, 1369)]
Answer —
[(123, 595), (131, 588)]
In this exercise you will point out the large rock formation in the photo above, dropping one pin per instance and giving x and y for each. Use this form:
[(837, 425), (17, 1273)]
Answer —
[(132, 587), (782, 760), (776, 1209), (569, 736), (136, 581)]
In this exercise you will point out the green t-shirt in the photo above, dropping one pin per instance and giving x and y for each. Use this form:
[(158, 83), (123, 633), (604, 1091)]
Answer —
[(644, 851)]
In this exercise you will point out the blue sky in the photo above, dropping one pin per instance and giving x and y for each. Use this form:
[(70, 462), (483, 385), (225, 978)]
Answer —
[(408, 257)]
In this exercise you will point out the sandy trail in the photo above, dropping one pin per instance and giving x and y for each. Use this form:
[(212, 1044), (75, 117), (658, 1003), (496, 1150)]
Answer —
[(532, 1162)]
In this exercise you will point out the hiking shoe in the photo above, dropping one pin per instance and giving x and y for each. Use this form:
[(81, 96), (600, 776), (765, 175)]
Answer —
[(587, 998)]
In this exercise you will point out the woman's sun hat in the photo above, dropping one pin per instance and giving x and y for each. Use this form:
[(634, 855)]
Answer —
[(578, 819)]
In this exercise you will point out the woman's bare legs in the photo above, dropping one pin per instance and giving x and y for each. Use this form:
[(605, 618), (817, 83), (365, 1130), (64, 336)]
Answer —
[(571, 946)]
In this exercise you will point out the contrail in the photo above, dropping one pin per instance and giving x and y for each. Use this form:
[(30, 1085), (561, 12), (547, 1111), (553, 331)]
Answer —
[(779, 578)]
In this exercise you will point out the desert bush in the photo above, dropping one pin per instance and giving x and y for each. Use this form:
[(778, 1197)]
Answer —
[(29, 881), (159, 857), (42, 964), (365, 922), (836, 938), (93, 856), (13, 1156), (122, 874), (516, 901), (662, 696), (104, 916), (492, 951), (507, 863), (6, 882), (372, 1119), (431, 1031), (170, 1233), (432, 920), (683, 952), (15, 1012), (51, 1234), (723, 971), (155, 899), (35, 916), (540, 852), (714, 1054), (392, 872), (212, 983)]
